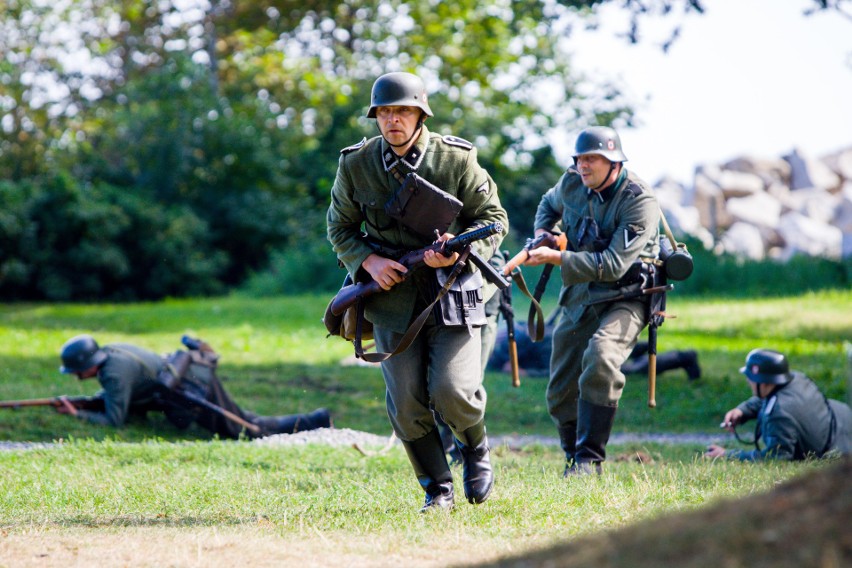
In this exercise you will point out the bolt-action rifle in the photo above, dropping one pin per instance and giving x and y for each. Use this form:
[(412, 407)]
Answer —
[(79, 402), (412, 260), (556, 241), (535, 320), (509, 315)]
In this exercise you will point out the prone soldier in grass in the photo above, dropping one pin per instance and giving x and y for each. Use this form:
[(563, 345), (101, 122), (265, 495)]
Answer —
[(792, 416), (441, 368), (611, 220), (183, 386)]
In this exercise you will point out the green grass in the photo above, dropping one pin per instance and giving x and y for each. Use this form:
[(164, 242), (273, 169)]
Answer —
[(276, 359)]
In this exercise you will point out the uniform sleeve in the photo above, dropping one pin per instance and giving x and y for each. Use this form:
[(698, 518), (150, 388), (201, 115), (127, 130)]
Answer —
[(482, 206), (750, 408), (116, 394), (637, 224), (344, 219), (779, 442)]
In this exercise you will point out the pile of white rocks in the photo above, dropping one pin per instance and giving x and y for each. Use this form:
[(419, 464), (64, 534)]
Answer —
[(758, 208)]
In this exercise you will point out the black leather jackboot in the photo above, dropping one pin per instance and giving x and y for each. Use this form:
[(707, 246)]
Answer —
[(594, 424), (448, 439), (293, 423), (568, 441), (429, 461), (476, 461)]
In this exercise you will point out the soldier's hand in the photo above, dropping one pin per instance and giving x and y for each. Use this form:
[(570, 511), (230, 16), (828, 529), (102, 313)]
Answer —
[(387, 272), (732, 418), (714, 451), (66, 407), (543, 255), (438, 260)]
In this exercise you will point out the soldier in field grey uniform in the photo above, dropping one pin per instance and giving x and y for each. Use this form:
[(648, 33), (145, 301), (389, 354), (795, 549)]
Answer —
[(129, 385), (611, 219), (794, 419), (442, 365)]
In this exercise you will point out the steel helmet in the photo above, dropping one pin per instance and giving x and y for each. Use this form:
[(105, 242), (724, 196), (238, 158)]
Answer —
[(601, 140), (766, 366), (399, 89), (80, 353)]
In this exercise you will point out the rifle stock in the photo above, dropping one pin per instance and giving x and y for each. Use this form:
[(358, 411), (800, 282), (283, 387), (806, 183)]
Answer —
[(348, 295), (556, 241), (652, 365), (513, 360)]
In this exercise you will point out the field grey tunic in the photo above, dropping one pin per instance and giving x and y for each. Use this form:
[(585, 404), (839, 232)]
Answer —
[(443, 365), (591, 342), (795, 422)]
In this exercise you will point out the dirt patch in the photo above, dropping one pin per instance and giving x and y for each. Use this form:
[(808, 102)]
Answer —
[(801, 523)]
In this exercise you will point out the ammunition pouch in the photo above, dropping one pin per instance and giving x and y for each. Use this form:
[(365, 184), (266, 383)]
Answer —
[(463, 305), (422, 207)]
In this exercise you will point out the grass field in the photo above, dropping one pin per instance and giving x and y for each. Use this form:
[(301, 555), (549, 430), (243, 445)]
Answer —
[(150, 495)]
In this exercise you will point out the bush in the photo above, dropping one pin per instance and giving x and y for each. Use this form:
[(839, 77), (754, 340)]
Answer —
[(296, 271), (727, 275), (62, 241)]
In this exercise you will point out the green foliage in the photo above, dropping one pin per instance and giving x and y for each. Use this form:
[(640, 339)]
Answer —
[(235, 114), (222, 125), (727, 275), (308, 267), (63, 241)]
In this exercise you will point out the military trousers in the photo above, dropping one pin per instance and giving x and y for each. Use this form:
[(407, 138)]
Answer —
[(442, 367), (588, 354)]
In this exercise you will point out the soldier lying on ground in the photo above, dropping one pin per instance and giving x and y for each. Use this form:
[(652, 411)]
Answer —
[(534, 358), (183, 386), (793, 418)]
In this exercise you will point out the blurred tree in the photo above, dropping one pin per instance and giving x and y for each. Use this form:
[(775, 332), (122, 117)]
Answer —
[(232, 113)]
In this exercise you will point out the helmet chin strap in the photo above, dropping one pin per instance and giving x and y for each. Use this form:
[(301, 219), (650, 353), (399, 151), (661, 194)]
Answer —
[(608, 174)]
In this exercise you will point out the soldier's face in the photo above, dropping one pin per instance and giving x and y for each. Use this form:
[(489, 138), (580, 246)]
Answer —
[(87, 374), (397, 123), (594, 170)]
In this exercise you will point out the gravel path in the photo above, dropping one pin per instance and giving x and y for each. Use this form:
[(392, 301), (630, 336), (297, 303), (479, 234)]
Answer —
[(346, 437), (366, 440)]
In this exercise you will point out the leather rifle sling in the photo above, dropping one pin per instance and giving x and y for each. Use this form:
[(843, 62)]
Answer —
[(535, 319)]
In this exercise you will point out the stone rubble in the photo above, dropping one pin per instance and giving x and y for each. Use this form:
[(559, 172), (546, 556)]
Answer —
[(762, 208)]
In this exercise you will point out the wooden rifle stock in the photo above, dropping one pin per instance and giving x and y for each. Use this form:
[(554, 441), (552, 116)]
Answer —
[(348, 295), (652, 366), (513, 359), (556, 241), (509, 315), (82, 403)]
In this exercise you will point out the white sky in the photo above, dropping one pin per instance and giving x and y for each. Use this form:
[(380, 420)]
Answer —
[(747, 77)]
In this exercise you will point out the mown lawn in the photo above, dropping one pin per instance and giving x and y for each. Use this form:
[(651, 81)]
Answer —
[(178, 498)]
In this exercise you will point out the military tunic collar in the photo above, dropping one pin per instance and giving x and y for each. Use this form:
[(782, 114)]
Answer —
[(413, 158), (607, 193)]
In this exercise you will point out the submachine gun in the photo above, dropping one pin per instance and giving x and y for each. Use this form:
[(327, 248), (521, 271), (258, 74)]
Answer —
[(412, 260)]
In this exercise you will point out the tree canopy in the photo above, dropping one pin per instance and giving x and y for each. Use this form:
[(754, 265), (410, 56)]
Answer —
[(219, 123)]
